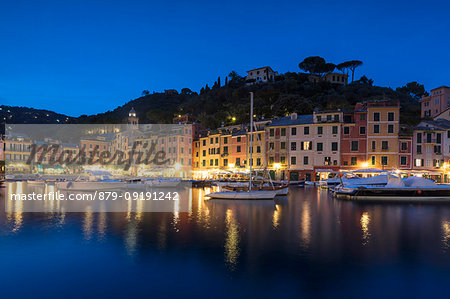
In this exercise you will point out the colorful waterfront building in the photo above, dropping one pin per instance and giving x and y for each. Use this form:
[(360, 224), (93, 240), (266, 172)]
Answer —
[(327, 136), (405, 148), (437, 102), (383, 120), (277, 141), (354, 139), (431, 146), (238, 154)]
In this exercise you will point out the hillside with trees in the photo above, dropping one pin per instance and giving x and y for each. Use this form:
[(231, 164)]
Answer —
[(228, 103)]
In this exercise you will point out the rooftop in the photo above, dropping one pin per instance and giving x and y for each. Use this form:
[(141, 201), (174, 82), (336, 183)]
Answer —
[(288, 121)]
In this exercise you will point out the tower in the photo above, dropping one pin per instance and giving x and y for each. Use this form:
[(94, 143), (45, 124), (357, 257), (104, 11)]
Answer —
[(133, 120)]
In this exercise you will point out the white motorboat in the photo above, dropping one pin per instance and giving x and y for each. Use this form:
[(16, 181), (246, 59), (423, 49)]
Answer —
[(94, 180), (162, 183), (412, 189)]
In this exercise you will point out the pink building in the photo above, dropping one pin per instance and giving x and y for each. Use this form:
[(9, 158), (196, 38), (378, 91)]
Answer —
[(405, 144), (437, 102), (354, 138)]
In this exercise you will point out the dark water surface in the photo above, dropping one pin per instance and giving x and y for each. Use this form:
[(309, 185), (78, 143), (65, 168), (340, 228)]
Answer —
[(305, 245)]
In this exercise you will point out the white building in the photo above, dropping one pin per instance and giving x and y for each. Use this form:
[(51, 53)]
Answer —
[(262, 74)]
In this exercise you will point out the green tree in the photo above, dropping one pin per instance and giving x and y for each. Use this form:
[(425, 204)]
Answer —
[(316, 65), (352, 65), (414, 89)]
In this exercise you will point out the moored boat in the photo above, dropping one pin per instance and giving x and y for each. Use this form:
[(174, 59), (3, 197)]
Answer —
[(412, 189), (279, 190), (253, 195)]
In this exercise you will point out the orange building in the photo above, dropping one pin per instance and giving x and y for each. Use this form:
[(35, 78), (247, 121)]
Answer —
[(383, 119)]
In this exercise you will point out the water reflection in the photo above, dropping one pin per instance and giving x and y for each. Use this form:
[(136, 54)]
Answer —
[(231, 240), (276, 216), (365, 221), (305, 229), (246, 238), (445, 235)]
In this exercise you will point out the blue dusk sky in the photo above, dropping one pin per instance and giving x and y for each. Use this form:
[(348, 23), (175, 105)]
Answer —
[(86, 57)]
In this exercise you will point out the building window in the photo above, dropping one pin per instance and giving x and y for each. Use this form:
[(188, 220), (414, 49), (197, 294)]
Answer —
[(272, 132), (391, 116), (403, 160), (438, 138), (418, 162), (384, 160), (319, 118), (334, 146), (376, 116), (238, 161), (336, 117), (384, 145), (306, 130), (354, 146), (373, 160), (353, 161), (319, 146), (225, 140), (390, 129), (419, 149), (225, 162), (258, 161), (293, 160), (293, 146), (238, 149), (362, 117), (346, 130), (362, 130), (305, 160), (319, 130), (376, 129), (271, 160), (419, 137), (258, 149), (271, 146), (335, 130), (283, 131), (282, 145), (239, 139), (404, 146), (283, 160), (293, 131)]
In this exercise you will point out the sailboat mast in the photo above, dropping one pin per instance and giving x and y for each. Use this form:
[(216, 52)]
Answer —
[(251, 139)]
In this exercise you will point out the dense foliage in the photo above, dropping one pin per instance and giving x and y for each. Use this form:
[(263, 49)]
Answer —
[(228, 104)]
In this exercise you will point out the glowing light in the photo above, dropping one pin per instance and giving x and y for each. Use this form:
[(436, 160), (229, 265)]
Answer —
[(365, 165), (231, 165), (365, 221), (277, 165), (233, 118), (177, 166)]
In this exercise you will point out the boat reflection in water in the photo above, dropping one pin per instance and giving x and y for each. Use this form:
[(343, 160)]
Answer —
[(306, 244)]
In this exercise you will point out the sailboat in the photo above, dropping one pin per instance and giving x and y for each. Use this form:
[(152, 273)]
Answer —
[(246, 194)]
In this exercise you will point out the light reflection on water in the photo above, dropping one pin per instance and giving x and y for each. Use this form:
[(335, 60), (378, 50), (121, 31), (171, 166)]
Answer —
[(307, 237)]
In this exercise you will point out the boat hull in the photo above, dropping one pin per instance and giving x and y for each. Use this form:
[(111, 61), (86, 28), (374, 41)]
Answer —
[(396, 194), (279, 190), (238, 195), (89, 186)]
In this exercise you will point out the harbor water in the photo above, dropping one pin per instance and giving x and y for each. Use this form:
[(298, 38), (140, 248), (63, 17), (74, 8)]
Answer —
[(306, 244)]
